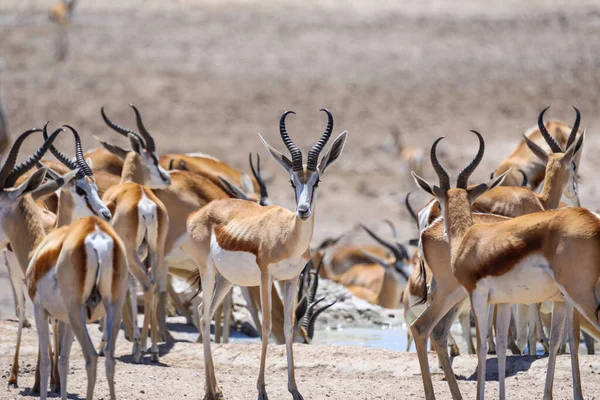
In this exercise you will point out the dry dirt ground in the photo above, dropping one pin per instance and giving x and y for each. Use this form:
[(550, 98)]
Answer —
[(208, 75), (332, 372)]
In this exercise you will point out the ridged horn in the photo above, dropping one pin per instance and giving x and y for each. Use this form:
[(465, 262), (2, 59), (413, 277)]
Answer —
[(437, 167), (140, 124), (291, 146), (575, 129), (19, 170), (463, 176), (264, 195), (313, 154), (554, 146), (120, 129)]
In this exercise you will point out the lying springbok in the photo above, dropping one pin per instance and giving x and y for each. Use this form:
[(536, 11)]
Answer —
[(78, 197), (519, 263), (525, 168), (239, 242), (377, 280)]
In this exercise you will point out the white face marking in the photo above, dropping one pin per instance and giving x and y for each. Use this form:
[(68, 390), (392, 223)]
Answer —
[(305, 193), (158, 177), (86, 201)]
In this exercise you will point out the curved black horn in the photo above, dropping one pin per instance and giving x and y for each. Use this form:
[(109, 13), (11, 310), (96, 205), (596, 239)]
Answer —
[(393, 248), (392, 227), (60, 156), (575, 129), (120, 129), (26, 165), (439, 170), (264, 195), (554, 146), (291, 146), (463, 177), (310, 331), (11, 159), (525, 180), (409, 207), (313, 154), (140, 124), (79, 153)]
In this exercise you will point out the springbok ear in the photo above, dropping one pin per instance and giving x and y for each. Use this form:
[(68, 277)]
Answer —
[(246, 181), (574, 148), (32, 183), (478, 190), (334, 152), (89, 162), (422, 183), (232, 190), (535, 149), (116, 150), (50, 174), (280, 158), (135, 143), (53, 185)]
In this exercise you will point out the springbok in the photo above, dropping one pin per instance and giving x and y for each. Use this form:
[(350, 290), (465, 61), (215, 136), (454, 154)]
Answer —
[(374, 279), (527, 259), (61, 14), (525, 168), (141, 221), (239, 242), (78, 197), (77, 274)]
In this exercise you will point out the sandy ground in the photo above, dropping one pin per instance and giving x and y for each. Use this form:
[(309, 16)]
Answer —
[(323, 372), (208, 75)]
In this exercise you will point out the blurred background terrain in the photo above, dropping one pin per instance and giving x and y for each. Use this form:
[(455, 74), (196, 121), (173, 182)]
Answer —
[(208, 75)]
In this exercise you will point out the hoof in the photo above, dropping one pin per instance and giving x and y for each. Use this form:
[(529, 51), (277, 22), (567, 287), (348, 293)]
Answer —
[(12, 385), (296, 395), (155, 358), (454, 351), (491, 351), (136, 352), (101, 351), (26, 323), (35, 389), (262, 394), (218, 395)]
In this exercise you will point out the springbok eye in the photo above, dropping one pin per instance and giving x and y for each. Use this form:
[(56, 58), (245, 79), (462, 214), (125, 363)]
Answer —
[(79, 191)]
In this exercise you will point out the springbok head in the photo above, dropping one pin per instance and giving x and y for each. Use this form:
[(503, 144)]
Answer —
[(461, 198), (142, 156), (11, 198), (399, 251), (306, 177), (246, 192), (560, 162), (81, 192), (308, 309)]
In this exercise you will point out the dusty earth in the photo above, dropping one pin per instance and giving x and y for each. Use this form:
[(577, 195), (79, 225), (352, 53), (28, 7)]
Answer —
[(323, 372), (208, 75)]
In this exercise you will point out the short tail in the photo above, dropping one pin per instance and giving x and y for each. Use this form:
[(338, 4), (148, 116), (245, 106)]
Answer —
[(98, 279)]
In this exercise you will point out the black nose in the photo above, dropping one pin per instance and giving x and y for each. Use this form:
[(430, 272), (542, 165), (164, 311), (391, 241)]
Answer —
[(107, 215)]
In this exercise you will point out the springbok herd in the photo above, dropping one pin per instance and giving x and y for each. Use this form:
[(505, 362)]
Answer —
[(80, 235)]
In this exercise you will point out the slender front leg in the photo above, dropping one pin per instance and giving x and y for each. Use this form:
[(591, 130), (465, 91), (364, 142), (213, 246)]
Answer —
[(66, 341), (502, 322), (439, 338), (227, 310), (535, 309), (17, 284), (556, 332), (490, 331), (522, 320), (213, 392), (41, 323), (480, 312), (265, 301), (290, 288), (572, 328)]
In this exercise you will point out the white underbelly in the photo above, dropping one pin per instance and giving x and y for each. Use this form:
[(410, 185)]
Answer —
[(528, 282), (240, 268)]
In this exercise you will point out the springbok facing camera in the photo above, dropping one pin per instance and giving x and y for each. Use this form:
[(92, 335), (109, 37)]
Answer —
[(239, 242)]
